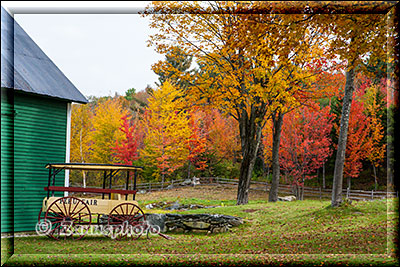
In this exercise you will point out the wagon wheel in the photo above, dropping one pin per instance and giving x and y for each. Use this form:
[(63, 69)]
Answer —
[(42, 227), (70, 217), (126, 220)]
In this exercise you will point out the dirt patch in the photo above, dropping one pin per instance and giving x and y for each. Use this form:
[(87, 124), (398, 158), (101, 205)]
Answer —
[(208, 192)]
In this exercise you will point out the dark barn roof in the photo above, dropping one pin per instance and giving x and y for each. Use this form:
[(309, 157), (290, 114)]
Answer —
[(25, 67)]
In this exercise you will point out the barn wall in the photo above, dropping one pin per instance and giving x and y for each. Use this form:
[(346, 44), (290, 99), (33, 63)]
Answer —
[(39, 138), (7, 158)]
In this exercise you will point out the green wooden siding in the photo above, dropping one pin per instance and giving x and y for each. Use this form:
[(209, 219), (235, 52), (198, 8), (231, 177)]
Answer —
[(39, 138), (7, 158)]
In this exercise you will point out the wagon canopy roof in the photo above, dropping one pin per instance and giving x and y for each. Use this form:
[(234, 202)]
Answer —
[(92, 166), (25, 67)]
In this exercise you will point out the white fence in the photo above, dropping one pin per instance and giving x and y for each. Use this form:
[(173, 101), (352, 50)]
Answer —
[(309, 192)]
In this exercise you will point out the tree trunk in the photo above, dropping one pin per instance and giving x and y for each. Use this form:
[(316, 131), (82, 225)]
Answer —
[(189, 169), (323, 176), (84, 179), (376, 180), (277, 129), (341, 148), (250, 135)]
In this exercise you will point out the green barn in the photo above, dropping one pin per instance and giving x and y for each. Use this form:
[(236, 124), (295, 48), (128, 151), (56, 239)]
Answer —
[(36, 102)]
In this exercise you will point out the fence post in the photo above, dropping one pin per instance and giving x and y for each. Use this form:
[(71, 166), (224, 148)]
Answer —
[(217, 180), (320, 193), (347, 193), (372, 195)]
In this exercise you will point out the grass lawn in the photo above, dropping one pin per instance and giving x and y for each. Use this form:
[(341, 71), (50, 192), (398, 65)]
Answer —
[(307, 232)]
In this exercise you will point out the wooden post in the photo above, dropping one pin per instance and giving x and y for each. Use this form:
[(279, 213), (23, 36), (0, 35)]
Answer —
[(109, 185), (372, 195), (127, 184), (48, 192), (134, 184), (320, 193)]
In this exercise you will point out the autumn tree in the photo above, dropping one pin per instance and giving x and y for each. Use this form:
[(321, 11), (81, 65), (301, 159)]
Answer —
[(375, 102), (126, 148), (197, 142), (81, 127), (357, 39), (305, 144), (106, 124), (358, 145), (223, 136), (258, 58), (166, 131)]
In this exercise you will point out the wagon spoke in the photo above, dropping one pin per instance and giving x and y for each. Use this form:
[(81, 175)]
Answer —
[(80, 210), (65, 208), (136, 212), (77, 203), (51, 217), (116, 211), (117, 218), (138, 218), (57, 227), (57, 221), (69, 207), (133, 207), (58, 208), (135, 219)]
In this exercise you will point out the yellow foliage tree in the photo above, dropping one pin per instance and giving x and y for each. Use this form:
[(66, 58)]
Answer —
[(81, 125), (105, 133), (377, 151), (166, 131), (252, 65)]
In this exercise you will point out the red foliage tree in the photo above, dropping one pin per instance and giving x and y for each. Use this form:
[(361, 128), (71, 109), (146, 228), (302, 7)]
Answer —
[(358, 141), (197, 142), (305, 144), (126, 149)]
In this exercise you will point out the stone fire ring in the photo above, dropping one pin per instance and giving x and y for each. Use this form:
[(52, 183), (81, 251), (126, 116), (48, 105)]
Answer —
[(210, 223)]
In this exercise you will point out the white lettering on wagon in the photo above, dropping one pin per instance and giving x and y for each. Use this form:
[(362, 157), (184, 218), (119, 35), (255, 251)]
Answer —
[(91, 202)]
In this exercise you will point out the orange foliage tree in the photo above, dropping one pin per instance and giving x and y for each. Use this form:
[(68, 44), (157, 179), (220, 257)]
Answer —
[(252, 64)]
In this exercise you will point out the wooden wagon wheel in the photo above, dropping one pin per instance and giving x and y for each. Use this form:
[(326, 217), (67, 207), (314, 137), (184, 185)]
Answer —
[(70, 217), (42, 227), (126, 220)]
